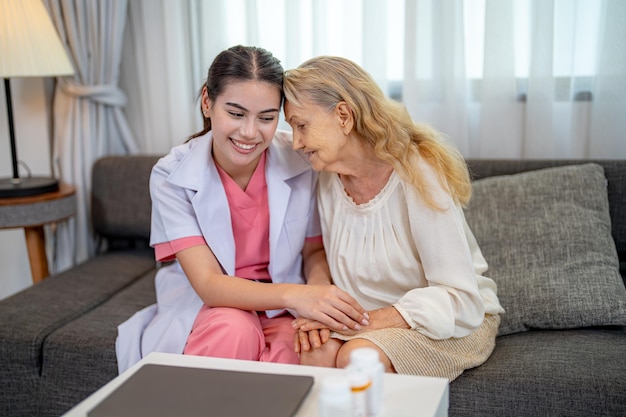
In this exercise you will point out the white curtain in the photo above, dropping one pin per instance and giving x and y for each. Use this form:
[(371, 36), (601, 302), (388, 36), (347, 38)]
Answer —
[(608, 113), (551, 78), (500, 78), (88, 116), (169, 45), (160, 73)]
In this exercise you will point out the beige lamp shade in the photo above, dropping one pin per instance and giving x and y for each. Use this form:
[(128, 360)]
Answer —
[(29, 43)]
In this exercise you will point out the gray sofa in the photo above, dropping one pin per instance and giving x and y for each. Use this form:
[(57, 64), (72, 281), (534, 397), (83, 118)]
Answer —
[(562, 347)]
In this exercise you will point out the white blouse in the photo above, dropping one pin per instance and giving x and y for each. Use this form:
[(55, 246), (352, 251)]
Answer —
[(395, 250)]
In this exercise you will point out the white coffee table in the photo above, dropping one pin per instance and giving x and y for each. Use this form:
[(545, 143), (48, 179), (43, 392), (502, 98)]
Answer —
[(403, 395)]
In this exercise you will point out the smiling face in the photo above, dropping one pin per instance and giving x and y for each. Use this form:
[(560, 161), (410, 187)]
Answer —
[(244, 118), (318, 132)]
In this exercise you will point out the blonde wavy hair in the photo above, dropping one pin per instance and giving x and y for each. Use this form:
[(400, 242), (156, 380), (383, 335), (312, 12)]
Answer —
[(381, 122)]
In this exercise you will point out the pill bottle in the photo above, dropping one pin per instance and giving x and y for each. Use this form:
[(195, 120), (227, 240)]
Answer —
[(360, 385), (335, 399), (367, 360)]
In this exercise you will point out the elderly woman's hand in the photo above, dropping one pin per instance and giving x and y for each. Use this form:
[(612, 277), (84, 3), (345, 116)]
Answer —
[(313, 339), (382, 318)]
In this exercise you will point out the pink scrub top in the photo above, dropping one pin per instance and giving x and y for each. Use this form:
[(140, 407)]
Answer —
[(250, 218)]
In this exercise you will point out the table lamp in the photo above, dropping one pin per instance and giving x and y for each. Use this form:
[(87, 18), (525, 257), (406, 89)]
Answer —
[(29, 47)]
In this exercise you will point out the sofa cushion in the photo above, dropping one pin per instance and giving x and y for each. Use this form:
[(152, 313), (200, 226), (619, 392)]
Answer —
[(546, 235), (547, 373), (28, 318), (81, 354)]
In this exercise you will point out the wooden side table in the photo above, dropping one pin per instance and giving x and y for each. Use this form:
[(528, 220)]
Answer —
[(32, 213)]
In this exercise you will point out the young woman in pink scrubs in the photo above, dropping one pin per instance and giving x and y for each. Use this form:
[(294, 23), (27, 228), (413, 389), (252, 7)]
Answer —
[(235, 209)]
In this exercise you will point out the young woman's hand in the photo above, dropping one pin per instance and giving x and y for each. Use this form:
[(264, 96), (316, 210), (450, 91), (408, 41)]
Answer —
[(328, 305), (319, 299)]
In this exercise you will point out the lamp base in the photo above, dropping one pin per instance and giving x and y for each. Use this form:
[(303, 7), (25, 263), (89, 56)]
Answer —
[(10, 187)]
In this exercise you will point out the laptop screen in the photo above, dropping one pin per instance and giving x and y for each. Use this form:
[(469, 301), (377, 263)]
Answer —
[(167, 391)]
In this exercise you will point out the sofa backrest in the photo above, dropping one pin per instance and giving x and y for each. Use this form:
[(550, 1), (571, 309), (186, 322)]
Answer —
[(614, 170), (120, 198)]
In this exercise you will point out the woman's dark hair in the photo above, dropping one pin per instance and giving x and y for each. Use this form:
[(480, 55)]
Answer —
[(240, 63)]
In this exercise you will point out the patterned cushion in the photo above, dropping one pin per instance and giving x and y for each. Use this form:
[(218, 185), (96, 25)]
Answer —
[(546, 235)]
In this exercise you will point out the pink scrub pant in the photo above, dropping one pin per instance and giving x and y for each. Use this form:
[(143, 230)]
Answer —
[(226, 332)]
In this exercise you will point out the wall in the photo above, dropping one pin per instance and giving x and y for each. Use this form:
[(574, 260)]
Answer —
[(30, 115)]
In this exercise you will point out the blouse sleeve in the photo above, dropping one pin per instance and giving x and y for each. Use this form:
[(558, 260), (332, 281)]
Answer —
[(450, 305)]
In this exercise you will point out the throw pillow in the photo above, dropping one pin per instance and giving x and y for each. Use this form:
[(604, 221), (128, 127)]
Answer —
[(546, 235)]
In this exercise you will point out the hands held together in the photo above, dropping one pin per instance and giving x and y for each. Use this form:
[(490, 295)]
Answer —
[(329, 306), (311, 333), (323, 308)]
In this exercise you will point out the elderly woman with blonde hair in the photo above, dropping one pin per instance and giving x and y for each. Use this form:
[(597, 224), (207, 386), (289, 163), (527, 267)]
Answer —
[(391, 194)]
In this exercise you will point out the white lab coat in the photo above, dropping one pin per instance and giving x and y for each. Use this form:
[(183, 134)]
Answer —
[(188, 199)]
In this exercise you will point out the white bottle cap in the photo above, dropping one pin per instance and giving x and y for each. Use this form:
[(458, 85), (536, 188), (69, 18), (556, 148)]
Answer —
[(364, 356)]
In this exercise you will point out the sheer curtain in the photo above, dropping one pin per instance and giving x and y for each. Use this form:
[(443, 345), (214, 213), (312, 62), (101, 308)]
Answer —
[(159, 72), (608, 113), (169, 45), (520, 78), (500, 78)]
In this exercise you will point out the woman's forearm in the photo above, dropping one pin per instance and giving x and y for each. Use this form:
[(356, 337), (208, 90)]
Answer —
[(315, 265)]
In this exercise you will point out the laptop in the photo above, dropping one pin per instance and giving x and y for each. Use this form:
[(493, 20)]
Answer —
[(175, 391)]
